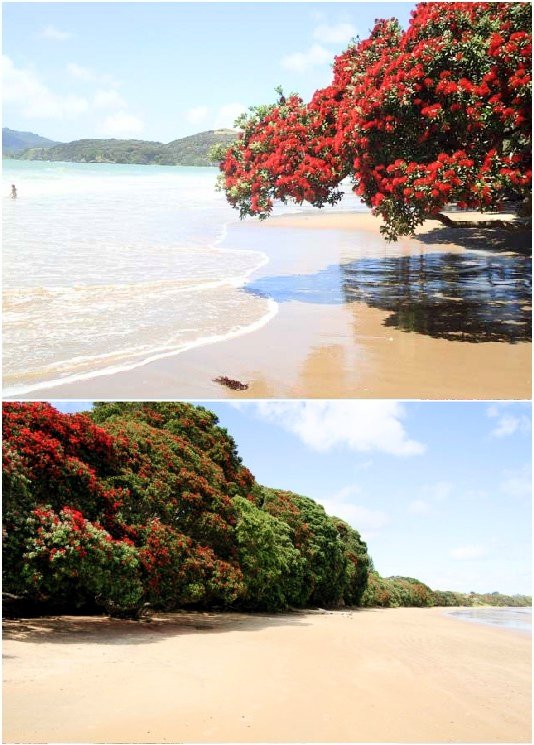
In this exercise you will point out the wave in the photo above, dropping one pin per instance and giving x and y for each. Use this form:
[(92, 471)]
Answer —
[(157, 354), (107, 268), (137, 271)]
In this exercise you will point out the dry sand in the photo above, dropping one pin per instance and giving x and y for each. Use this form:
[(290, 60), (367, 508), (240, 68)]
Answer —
[(395, 675), (314, 350)]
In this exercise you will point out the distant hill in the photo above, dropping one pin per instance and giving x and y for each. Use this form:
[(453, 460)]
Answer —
[(187, 151), (14, 141)]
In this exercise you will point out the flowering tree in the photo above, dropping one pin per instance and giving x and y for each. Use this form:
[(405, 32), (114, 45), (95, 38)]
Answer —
[(76, 562), (120, 515), (140, 503), (153, 505), (418, 119)]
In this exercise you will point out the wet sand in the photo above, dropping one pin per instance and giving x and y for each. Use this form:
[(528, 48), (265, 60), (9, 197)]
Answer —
[(394, 675), (314, 348)]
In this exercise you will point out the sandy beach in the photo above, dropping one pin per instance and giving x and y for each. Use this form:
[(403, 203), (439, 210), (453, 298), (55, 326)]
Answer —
[(377, 675), (317, 348)]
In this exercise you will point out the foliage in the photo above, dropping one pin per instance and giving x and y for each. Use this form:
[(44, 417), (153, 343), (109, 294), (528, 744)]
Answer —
[(272, 566), (198, 425), (180, 571), (474, 599), (358, 562), (439, 113), (73, 560), (139, 484), (315, 536), (188, 151), (150, 503), (394, 592)]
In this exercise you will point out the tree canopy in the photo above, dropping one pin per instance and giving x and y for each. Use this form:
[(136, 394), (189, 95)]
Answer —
[(150, 503), (438, 113)]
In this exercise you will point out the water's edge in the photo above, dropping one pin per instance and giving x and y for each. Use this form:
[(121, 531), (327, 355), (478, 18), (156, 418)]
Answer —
[(508, 619)]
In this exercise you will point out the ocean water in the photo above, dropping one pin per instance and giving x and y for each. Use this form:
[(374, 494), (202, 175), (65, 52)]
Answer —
[(519, 619), (106, 267)]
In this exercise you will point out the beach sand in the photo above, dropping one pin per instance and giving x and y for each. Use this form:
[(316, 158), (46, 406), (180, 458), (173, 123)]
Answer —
[(318, 349), (378, 675)]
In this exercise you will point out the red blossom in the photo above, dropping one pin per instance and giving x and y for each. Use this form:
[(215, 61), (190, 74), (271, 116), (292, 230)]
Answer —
[(451, 86)]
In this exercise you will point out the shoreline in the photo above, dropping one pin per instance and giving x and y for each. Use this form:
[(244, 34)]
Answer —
[(317, 349), (367, 675)]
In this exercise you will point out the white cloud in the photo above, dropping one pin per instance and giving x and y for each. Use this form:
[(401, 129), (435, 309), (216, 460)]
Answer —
[(361, 426), (506, 426), (474, 495), (365, 520), (508, 423), (315, 56), (108, 99), (361, 518), (197, 114), (467, 553), (53, 33), (87, 75), (23, 90), (226, 115), (122, 124), (439, 491), (429, 496), (346, 493), (220, 118), (340, 33), (31, 98)]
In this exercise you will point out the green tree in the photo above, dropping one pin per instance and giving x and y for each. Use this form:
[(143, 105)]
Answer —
[(357, 562), (271, 565), (316, 537)]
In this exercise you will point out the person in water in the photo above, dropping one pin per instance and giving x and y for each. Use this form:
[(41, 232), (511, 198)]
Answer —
[(13, 191)]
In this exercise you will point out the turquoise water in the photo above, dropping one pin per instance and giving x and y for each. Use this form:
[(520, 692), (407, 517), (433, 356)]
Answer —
[(107, 266), (519, 619)]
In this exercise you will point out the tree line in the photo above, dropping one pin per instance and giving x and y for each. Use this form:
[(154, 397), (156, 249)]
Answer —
[(137, 504)]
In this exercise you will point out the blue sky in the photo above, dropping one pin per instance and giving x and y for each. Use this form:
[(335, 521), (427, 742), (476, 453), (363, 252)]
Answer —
[(440, 491), (159, 71)]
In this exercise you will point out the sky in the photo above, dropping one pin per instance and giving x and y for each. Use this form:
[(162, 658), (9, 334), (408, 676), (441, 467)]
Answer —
[(160, 71), (440, 491)]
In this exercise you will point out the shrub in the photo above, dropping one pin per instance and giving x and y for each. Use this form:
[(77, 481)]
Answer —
[(272, 566), (69, 559)]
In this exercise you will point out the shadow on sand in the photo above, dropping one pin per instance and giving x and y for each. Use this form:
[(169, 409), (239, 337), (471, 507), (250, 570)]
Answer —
[(105, 630), (480, 239), (470, 297)]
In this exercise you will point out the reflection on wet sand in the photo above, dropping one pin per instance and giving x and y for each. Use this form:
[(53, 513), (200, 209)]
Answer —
[(469, 297), (509, 618), (326, 342)]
